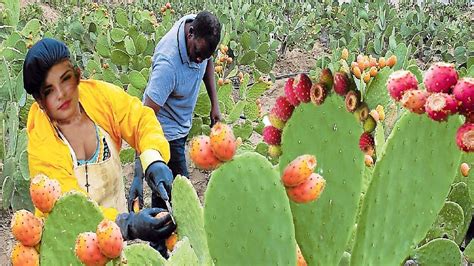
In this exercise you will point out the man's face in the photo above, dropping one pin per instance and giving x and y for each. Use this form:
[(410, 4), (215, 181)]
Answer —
[(198, 49)]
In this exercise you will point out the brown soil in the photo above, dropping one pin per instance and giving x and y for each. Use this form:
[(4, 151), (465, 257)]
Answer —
[(50, 15)]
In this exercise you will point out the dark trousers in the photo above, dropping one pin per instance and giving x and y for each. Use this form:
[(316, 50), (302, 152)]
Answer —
[(178, 166)]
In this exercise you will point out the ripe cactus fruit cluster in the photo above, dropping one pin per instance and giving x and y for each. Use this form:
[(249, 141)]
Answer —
[(302, 185), (445, 95), (44, 192), (208, 152), (367, 67), (99, 247)]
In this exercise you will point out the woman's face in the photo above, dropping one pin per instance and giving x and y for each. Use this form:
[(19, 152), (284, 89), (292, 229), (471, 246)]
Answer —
[(59, 95)]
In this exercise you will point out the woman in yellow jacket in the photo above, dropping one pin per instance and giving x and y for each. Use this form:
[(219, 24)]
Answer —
[(75, 130)]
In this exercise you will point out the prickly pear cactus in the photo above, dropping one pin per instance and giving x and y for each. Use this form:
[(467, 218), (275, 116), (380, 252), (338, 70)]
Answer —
[(449, 223), (460, 194), (189, 216), (409, 186), (247, 215), (183, 254), (143, 254), (438, 252), (469, 252), (72, 214), (329, 132)]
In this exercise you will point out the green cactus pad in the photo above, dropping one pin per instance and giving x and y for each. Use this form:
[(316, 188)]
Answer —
[(247, 215), (449, 223), (469, 252), (346, 259), (143, 254), (409, 186), (72, 214), (460, 194), (438, 252), (189, 216), (330, 133), (183, 254)]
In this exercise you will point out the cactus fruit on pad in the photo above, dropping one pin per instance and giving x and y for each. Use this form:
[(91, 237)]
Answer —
[(188, 212), (143, 254), (438, 252), (247, 214), (330, 133), (409, 186), (72, 214)]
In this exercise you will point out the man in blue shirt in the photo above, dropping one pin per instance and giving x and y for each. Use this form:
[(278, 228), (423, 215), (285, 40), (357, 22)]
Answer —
[(181, 61)]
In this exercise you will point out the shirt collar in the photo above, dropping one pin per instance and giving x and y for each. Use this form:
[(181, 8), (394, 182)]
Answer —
[(183, 52)]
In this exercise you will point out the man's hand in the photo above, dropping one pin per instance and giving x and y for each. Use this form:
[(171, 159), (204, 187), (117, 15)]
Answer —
[(160, 178), (136, 189), (145, 226), (215, 115)]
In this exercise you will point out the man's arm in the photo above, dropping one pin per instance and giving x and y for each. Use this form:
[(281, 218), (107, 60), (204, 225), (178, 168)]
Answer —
[(150, 103), (210, 83)]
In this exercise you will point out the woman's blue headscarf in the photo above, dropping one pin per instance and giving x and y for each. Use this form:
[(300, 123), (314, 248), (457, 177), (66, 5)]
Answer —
[(39, 59)]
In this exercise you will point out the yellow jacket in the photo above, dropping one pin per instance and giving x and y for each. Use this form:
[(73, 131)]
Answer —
[(110, 107)]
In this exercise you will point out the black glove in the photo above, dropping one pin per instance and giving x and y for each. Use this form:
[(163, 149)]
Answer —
[(159, 177), (143, 225), (136, 189)]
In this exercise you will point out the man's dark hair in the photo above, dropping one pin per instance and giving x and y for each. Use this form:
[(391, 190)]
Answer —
[(207, 26)]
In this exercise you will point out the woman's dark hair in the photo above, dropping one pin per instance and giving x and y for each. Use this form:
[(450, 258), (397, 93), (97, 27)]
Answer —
[(207, 26)]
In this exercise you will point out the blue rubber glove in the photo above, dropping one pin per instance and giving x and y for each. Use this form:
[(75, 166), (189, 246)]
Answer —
[(143, 225), (136, 188), (160, 178)]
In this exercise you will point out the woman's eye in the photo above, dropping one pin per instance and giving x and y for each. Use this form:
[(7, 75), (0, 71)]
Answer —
[(66, 77)]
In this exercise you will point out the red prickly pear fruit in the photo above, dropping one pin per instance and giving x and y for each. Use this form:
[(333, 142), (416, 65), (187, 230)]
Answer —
[(223, 143), (201, 153), (24, 256), (44, 192), (366, 142), (465, 137), (271, 135), (274, 151), (439, 106), (298, 170), (283, 108), (341, 83), (26, 228), (440, 77), (414, 100), (303, 88), (318, 94), (464, 93), (290, 92), (300, 261), (326, 79), (352, 100), (307, 191), (87, 250), (400, 81), (109, 239), (276, 122)]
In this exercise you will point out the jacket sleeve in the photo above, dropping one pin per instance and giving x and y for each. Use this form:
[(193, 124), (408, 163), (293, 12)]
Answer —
[(138, 125)]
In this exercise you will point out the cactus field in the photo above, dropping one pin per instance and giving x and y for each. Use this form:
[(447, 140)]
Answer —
[(346, 134)]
